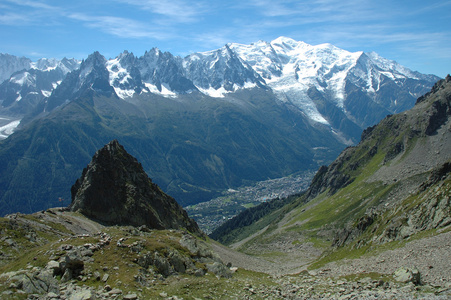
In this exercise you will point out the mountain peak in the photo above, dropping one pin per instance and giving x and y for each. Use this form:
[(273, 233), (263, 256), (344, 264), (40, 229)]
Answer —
[(95, 58), (284, 40), (288, 43), (10, 64), (114, 189)]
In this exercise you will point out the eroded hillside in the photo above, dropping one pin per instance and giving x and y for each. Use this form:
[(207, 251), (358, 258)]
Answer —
[(391, 192)]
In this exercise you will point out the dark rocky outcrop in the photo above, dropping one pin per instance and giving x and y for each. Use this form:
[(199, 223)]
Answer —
[(331, 177), (114, 189)]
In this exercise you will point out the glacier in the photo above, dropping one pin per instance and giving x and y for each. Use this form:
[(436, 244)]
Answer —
[(8, 129)]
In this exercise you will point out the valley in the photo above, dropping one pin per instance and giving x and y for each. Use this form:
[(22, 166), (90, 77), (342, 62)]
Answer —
[(211, 214), (337, 177)]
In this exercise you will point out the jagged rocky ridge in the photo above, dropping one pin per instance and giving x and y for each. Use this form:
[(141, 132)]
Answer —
[(114, 189), (331, 86), (27, 83)]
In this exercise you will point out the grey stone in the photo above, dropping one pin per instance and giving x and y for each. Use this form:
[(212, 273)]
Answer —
[(115, 292), (199, 272), (83, 294), (86, 252), (406, 275), (10, 243), (52, 295), (73, 259), (177, 262), (54, 266), (97, 275), (162, 265), (39, 282), (219, 270), (195, 247)]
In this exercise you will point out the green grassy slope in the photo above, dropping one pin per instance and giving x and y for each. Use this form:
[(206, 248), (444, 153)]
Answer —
[(392, 186)]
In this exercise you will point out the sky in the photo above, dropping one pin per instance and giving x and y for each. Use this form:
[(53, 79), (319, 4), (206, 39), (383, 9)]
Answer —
[(415, 33)]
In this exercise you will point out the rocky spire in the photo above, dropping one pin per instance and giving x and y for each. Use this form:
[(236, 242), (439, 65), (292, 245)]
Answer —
[(114, 189)]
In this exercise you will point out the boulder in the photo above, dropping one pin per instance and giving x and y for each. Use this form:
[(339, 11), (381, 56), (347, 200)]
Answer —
[(54, 267), (74, 261), (219, 270), (78, 293), (37, 282), (406, 275)]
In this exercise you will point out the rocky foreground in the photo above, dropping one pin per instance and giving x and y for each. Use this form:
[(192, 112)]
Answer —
[(63, 255)]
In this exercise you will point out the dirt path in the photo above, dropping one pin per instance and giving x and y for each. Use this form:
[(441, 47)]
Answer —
[(73, 222), (244, 261)]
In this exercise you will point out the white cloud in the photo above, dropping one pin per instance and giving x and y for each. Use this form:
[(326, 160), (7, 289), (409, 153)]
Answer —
[(33, 4), (177, 10), (121, 27), (26, 13), (14, 19)]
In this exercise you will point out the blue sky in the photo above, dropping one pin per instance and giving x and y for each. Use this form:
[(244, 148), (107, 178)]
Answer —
[(415, 33)]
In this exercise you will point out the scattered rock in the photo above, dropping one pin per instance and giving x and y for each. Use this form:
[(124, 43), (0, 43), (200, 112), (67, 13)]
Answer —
[(96, 275), (219, 270), (36, 282), (406, 275), (130, 297), (115, 292), (54, 267)]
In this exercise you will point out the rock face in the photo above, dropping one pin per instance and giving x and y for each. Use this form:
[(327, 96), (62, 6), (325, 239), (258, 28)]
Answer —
[(114, 189)]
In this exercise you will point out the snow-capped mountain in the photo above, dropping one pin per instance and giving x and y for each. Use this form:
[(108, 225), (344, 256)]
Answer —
[(221, 71), (346, 91), (33, 82), (295, 71), (10, 64), (200, 124)]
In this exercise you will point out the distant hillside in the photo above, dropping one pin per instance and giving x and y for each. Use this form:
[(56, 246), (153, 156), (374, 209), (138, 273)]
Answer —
[(393, 186), (251, 220)]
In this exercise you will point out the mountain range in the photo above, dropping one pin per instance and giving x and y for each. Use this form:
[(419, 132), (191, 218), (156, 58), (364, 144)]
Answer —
[(200, 124), (374, 224)]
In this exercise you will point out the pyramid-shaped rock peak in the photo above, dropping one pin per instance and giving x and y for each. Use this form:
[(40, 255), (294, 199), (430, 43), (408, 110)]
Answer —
[(115, 190)]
